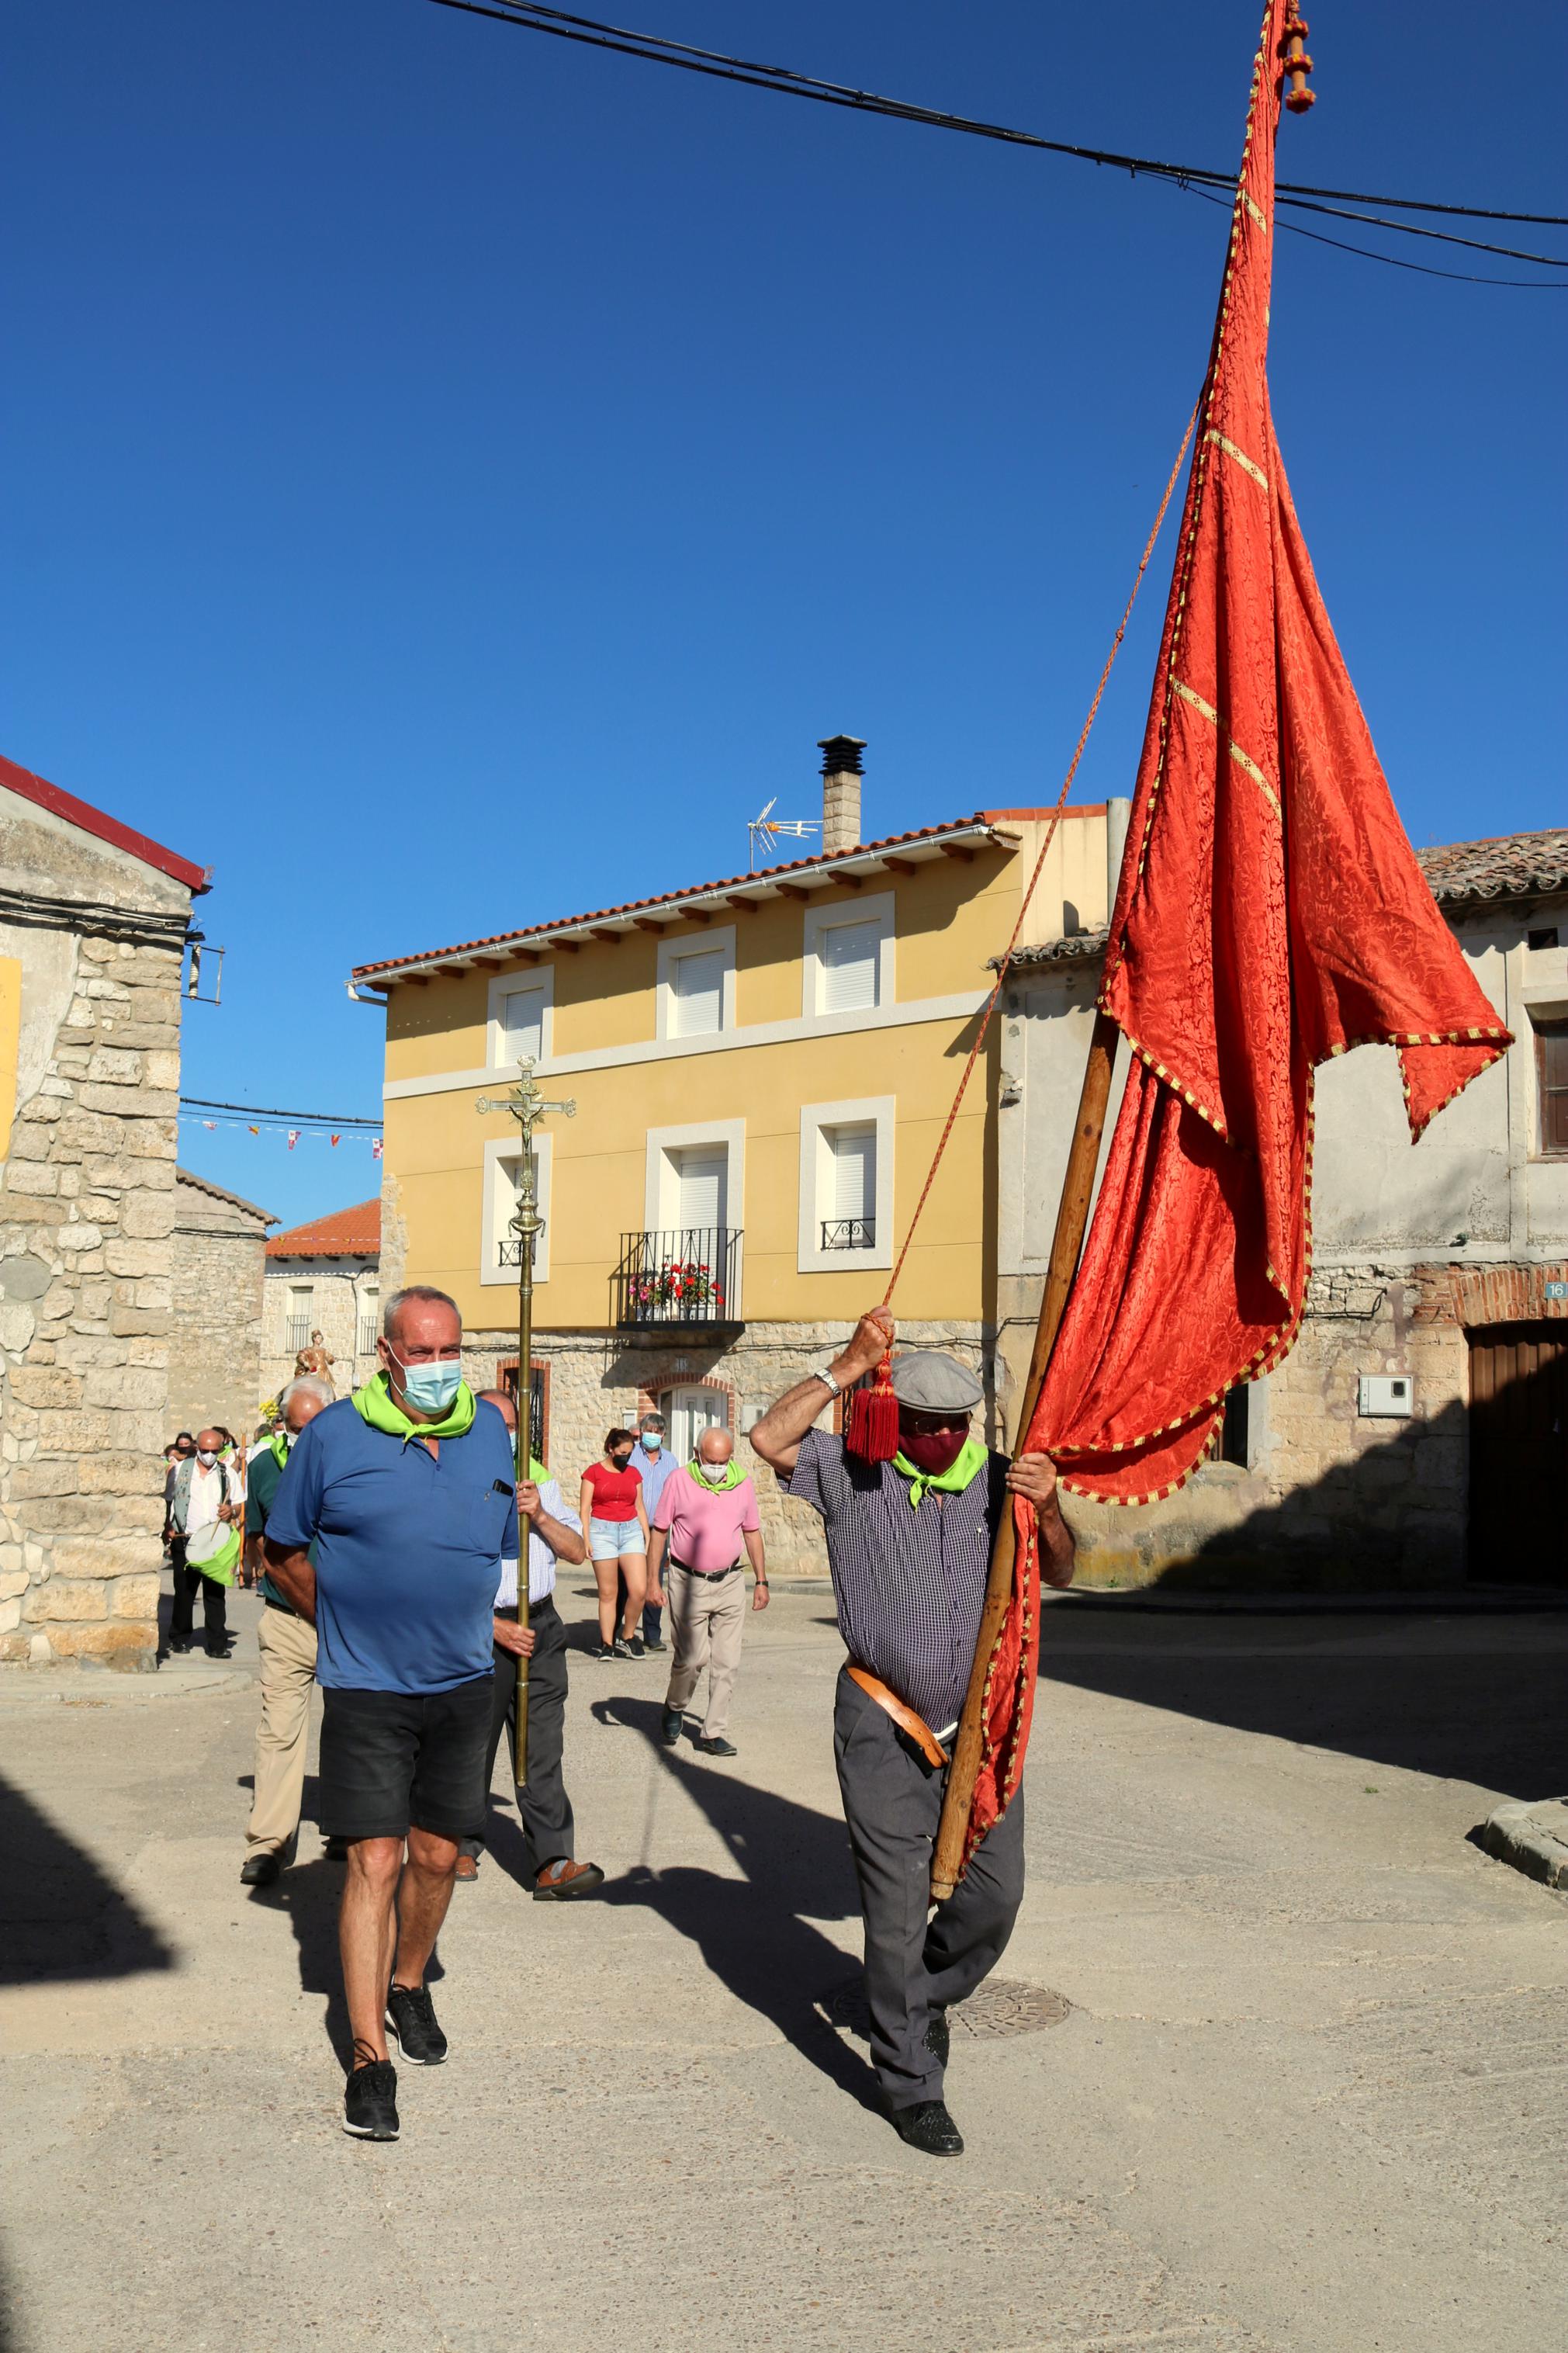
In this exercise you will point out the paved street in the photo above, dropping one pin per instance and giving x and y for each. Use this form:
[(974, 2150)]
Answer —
[(1307, 2096)]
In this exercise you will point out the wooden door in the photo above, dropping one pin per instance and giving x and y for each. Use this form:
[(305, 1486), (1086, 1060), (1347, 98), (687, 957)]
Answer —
[(1518, 1453)]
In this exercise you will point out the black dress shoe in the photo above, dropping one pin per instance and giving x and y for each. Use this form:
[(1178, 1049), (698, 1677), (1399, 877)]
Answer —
[(671, 1724), (928, 2127), (259, 1870), (938, 2039), (718, 1747)]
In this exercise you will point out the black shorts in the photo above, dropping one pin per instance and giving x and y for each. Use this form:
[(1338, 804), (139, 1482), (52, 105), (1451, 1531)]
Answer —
[(391, 1761)]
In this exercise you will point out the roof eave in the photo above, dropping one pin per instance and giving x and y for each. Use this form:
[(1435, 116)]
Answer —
[(804, 875)]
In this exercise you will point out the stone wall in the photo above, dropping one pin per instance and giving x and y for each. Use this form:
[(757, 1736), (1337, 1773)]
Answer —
[(87, 1211), (1328, 1497), (596, 1379), (214, 1359)]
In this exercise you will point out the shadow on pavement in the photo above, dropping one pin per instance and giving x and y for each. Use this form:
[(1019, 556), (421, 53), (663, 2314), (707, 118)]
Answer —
[(756, 1934), (1487, 1710), (61, 1917)]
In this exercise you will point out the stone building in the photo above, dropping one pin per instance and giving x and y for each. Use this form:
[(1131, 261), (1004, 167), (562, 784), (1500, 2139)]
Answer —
[(1417, 1433), (215, 1356), (324, 1281), (93, 919)]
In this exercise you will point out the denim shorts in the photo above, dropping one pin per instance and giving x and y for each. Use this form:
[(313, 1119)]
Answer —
[(608, 1539)]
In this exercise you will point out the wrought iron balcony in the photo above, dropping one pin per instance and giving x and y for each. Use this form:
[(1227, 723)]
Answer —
[(683, 1276), (848, 1233)]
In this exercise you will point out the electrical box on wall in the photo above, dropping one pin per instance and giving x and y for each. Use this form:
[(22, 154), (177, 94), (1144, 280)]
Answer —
[(1391, 1395)]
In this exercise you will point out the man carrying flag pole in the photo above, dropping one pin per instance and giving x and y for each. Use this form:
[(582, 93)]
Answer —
[(1270, 914)]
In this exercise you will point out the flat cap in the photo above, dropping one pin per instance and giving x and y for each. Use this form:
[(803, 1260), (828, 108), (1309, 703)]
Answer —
[(931, 1383)]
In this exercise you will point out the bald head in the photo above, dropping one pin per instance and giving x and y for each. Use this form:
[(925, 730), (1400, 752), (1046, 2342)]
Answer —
[(501, 1400), (715, 1447)]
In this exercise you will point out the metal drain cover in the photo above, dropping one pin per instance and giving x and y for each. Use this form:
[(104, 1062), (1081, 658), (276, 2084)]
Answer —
[(1002, 2006)]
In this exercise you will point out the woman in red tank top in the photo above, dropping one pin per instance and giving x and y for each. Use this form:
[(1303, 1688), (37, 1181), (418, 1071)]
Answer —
[(615, 1517)]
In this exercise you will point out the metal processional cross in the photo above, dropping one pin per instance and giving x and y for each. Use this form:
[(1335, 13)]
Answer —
[(528, 1107)]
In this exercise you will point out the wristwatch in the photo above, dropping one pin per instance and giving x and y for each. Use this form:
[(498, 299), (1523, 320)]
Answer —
[(821, 1373)]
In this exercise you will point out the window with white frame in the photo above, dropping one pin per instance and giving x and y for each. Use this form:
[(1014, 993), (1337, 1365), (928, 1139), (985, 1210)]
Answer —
[(302, 1305), (693, 1204), (696, 985), (369, 1318), (520, 1015), (848, 960), (497, 1258), (846, 1185)]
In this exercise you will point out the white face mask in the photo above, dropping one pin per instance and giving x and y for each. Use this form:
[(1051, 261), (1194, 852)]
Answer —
[(205, 1457)]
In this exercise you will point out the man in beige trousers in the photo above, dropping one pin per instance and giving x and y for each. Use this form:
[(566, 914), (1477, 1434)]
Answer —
[(707, 1511), (287, 1645)]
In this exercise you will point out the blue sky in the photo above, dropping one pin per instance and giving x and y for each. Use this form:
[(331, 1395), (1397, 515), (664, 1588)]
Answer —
[(455, 477)]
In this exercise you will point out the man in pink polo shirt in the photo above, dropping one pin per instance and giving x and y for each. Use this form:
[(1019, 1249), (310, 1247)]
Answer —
[(706, 1512)]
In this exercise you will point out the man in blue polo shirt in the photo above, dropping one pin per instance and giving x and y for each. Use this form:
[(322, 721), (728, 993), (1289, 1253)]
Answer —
[(407, 1492)]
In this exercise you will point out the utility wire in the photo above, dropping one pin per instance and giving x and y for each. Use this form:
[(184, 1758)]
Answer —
[(260, 1111), (1396, 260), (654, 49)]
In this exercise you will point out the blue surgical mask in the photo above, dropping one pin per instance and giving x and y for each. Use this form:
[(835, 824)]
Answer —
[(430, 1388), (652, 1440)]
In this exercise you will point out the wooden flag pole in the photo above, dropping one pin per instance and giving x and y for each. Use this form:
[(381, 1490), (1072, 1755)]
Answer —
[(1072, 1216)]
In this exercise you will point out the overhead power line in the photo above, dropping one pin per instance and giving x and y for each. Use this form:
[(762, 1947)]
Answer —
[(529, 16), (263, 1110)]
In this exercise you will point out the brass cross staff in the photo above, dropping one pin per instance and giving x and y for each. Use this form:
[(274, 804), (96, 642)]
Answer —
[(528, 1107)]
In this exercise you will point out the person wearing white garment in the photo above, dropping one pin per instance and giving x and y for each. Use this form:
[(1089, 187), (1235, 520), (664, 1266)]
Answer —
[(206, 1492), (554, 1532)]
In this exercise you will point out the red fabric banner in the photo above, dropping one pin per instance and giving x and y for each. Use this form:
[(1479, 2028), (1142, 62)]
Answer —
[(1270, 914)]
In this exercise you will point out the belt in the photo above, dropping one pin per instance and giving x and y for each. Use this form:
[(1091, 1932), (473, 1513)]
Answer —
[(285, 1607), (713, 1575), (903, 1715)]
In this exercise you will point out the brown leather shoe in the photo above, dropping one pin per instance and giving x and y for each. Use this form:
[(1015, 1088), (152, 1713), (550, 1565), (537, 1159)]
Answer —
[(559, 1882)]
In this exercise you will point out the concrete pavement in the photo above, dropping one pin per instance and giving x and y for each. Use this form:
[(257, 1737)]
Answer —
[(1306, 2096)]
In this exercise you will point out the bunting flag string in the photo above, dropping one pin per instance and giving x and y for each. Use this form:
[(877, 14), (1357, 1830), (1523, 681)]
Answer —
[(292, 1135)]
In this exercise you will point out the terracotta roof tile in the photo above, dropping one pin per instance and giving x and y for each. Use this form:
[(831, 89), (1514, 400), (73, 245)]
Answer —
[(341, 1233), (697, 889)]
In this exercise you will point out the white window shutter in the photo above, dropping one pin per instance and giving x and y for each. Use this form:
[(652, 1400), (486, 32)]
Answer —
[(522, 1024), (697, 986), (850, 957), (701, 1186), (854, 1151)]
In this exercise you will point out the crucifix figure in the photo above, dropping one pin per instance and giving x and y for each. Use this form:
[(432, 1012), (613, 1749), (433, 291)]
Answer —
[(528, 1107)]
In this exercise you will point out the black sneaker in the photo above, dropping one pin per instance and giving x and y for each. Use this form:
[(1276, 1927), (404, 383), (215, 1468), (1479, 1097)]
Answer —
[(370, 2101), (672, 1723), (654, 1643), (636, 1646), (622, 1647), (411, 2016), (601, 1651)]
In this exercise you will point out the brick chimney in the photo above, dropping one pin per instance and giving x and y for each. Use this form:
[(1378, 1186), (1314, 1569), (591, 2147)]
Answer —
[(841, 792)]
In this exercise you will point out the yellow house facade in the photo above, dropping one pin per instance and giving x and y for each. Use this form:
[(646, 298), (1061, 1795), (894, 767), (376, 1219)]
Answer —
[(761, 1068)]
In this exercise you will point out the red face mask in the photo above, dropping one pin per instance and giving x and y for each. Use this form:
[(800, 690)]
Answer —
[(932, 1451)]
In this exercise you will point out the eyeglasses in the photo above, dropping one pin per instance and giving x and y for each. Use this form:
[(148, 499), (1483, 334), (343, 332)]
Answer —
[(927, 1425)]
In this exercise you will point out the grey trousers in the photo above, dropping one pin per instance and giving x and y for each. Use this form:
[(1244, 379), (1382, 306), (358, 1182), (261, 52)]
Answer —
[(543, 1805), (916, 1963)]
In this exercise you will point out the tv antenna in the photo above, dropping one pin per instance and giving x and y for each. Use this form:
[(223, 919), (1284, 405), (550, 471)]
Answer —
[(766, 829)]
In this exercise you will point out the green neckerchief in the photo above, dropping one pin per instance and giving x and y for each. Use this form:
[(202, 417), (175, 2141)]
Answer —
[(733, 1475), (277, 1447), (374, 1403), (951, 1482), (535, 1471)]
